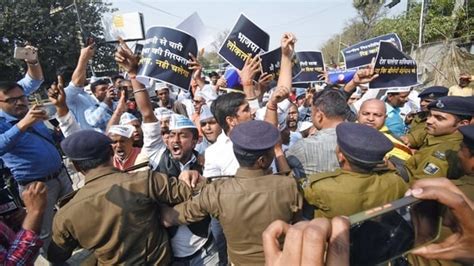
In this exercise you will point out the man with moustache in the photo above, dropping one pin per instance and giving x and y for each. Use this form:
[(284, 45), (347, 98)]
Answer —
[(26, 146)]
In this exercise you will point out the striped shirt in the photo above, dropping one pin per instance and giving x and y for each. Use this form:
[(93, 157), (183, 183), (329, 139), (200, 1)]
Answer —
[(314, 154), (19, 249)]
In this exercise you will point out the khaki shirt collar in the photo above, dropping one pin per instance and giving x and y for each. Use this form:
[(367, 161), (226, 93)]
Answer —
[(434, 140), (99, 172), (248, 173)]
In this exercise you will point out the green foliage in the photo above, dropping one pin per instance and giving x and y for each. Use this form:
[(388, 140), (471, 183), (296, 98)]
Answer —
[(441, 22), (51, 26)]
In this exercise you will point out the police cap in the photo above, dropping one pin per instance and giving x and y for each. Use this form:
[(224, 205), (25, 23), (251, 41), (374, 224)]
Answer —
[(254, 137), (362, 143), (434, 92), (86, 145), (456, 105)]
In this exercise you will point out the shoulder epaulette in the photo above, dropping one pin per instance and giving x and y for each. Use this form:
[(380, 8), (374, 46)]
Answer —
[(320, 176)]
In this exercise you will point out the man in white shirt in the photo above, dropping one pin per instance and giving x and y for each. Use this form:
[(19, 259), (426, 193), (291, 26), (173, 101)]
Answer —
[(229, 110)]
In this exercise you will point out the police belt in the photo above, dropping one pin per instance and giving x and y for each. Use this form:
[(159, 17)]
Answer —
[(43, 179)]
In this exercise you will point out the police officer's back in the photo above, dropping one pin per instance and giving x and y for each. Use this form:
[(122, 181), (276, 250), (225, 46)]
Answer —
[(356, 186), (115, 214)]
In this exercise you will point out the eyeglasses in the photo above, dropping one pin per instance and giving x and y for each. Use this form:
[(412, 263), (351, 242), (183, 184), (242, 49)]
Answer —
[(14, 100)]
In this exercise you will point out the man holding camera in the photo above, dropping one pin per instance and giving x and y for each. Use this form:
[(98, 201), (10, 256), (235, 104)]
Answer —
[(26, 145)]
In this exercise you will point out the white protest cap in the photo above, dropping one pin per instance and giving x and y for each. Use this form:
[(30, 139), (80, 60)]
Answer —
[(162, 113), (126, 118), (122, 130), (161, 86), (207, 93), (304, 125), (180, 122), (205, 113), (395, 90)]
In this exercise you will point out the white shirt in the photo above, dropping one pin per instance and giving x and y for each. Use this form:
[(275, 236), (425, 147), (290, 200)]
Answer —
[(68, 124), (219, 158), (153, 144)]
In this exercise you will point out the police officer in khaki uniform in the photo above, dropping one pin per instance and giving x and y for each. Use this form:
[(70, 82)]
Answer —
[(466, 159), (417, 133), (247, 203), (357, 186), (115, 214), (438, 155)]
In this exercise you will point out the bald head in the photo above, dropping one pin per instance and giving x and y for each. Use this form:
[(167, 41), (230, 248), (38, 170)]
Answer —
[(372, 113)]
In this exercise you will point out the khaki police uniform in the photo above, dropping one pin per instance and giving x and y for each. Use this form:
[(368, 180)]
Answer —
[(436, 158), (345, 193), (245, 205), (117, 216), (417, 133), (466, 185)]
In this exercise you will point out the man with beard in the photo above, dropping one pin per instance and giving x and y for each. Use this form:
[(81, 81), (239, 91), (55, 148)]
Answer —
[(192, 244), (463, 88), (416, 133), (164, 100), (394, 122), (438, 155), (122, 145)]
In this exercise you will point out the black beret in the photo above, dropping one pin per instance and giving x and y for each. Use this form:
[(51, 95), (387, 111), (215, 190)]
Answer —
[(362, 143), (86, 145), (468, 134), (433, 92), (254, 137), (456, 105)]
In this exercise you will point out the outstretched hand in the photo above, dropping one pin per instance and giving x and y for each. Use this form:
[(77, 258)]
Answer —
[(126, 59)]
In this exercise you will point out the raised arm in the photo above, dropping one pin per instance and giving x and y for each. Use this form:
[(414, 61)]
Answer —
[(79, 76), (128, 61)]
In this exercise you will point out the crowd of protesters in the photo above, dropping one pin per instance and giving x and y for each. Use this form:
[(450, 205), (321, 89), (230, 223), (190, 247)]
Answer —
[(216, 176)]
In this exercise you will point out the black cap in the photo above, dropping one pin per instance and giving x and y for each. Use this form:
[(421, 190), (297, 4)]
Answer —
[(434, 92), (362, 143), (86, 145), (468, 134), (254, 137), (456, 105)]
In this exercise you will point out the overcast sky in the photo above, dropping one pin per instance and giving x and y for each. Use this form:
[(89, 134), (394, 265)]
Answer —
[(313, 21)]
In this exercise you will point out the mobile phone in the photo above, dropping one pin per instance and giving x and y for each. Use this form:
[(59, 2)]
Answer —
[(24, 53), (138, 49), (394, 229)]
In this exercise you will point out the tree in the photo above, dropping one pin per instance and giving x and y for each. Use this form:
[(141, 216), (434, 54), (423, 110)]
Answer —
[(442, 22), (52, 26)]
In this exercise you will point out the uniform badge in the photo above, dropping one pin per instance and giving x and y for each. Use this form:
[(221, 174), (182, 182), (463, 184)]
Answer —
[(440, 155), (430, 169), (440, 104)]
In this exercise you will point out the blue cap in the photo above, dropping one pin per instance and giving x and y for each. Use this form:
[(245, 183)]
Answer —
[(434, 92), (300, 92), (468, 134), (362, 143), (455, 105), (86, 145), (254, 137)]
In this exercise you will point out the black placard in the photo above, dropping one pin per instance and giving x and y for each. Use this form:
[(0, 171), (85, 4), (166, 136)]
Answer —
[(312, 66), (165, 57), (246, 39)]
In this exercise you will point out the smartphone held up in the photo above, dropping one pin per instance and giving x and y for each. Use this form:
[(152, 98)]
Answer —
[(24, 53), (387, 232)]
